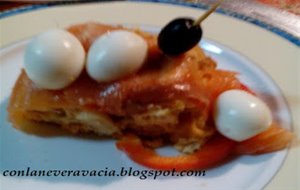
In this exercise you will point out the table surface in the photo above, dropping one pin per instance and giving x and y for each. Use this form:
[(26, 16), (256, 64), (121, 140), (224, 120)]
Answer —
[(10, 5)]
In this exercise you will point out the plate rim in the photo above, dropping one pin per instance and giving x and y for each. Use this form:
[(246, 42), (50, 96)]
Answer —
[(199, 5)]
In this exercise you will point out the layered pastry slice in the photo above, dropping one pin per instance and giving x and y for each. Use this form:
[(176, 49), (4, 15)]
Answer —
[(167, 100)]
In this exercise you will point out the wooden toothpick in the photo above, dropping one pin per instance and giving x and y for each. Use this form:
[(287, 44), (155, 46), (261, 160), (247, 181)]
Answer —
[(208, 12)]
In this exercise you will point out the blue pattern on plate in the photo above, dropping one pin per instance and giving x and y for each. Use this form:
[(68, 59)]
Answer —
[(295, 40)]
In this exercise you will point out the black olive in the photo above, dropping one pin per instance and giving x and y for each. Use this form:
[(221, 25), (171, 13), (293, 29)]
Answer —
[(179, 36)]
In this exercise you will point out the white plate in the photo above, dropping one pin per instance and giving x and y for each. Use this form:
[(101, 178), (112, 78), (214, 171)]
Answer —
[(277, 56)]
